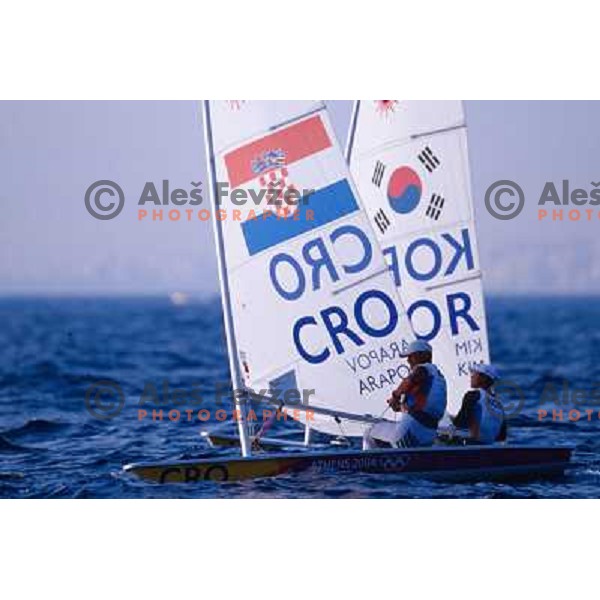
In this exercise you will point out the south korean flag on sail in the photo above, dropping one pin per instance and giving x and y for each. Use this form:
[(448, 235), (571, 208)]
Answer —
[(410, 163), (417, 184)]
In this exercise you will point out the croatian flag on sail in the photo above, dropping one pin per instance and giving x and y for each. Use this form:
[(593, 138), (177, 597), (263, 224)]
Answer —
[(299, 157)]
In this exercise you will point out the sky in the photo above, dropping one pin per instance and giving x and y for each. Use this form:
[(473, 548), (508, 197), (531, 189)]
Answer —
[(50, 152)]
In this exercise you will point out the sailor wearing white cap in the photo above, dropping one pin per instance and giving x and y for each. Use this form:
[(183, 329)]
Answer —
[(481, 412), (420, 401)]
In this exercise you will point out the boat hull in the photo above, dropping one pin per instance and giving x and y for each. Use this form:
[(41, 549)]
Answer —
[(471, 463)]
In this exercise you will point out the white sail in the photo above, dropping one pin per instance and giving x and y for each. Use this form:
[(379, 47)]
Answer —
[(410, 164), (313, 304)]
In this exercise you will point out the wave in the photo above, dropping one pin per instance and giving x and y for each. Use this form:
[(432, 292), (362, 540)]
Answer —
[(35, 427), (11, 476), (8, 446)]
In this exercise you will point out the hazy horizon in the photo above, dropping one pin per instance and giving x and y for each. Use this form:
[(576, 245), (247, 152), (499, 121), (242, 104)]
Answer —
[(50, 152)]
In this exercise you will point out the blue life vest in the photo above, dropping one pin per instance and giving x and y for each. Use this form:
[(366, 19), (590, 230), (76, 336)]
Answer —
[(435, 392), (488, 417)]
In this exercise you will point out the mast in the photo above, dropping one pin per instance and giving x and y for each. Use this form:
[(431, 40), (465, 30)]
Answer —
[(352, 131), (232, 351)]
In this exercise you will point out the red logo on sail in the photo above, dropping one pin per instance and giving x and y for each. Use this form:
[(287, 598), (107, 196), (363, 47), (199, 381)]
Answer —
[(235, 104), (386, 107)]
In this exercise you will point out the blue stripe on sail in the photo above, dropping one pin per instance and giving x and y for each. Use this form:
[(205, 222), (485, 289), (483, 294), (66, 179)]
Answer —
[(327, 204)]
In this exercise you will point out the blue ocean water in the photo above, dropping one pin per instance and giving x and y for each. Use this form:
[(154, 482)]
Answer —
[(52, 350)]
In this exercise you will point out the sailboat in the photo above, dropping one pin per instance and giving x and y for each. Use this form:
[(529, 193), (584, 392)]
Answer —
[(316, 320)]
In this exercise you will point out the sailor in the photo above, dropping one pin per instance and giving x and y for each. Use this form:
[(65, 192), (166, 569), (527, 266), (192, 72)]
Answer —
[(420, 401), (481, 412)]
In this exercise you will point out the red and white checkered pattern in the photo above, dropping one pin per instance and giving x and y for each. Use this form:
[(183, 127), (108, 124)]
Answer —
[(277, 186)]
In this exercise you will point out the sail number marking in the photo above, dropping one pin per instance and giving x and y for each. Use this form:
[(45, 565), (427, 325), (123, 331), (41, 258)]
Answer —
[(306, 271)]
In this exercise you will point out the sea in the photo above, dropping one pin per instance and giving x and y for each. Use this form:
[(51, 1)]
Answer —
[(64, 435)]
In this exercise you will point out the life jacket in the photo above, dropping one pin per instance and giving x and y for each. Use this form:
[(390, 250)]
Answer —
[(428, 405), (488, 418)]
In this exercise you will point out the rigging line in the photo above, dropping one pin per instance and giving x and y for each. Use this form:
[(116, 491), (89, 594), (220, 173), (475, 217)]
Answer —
[(339, 423), (267, 425), (384, 411)]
